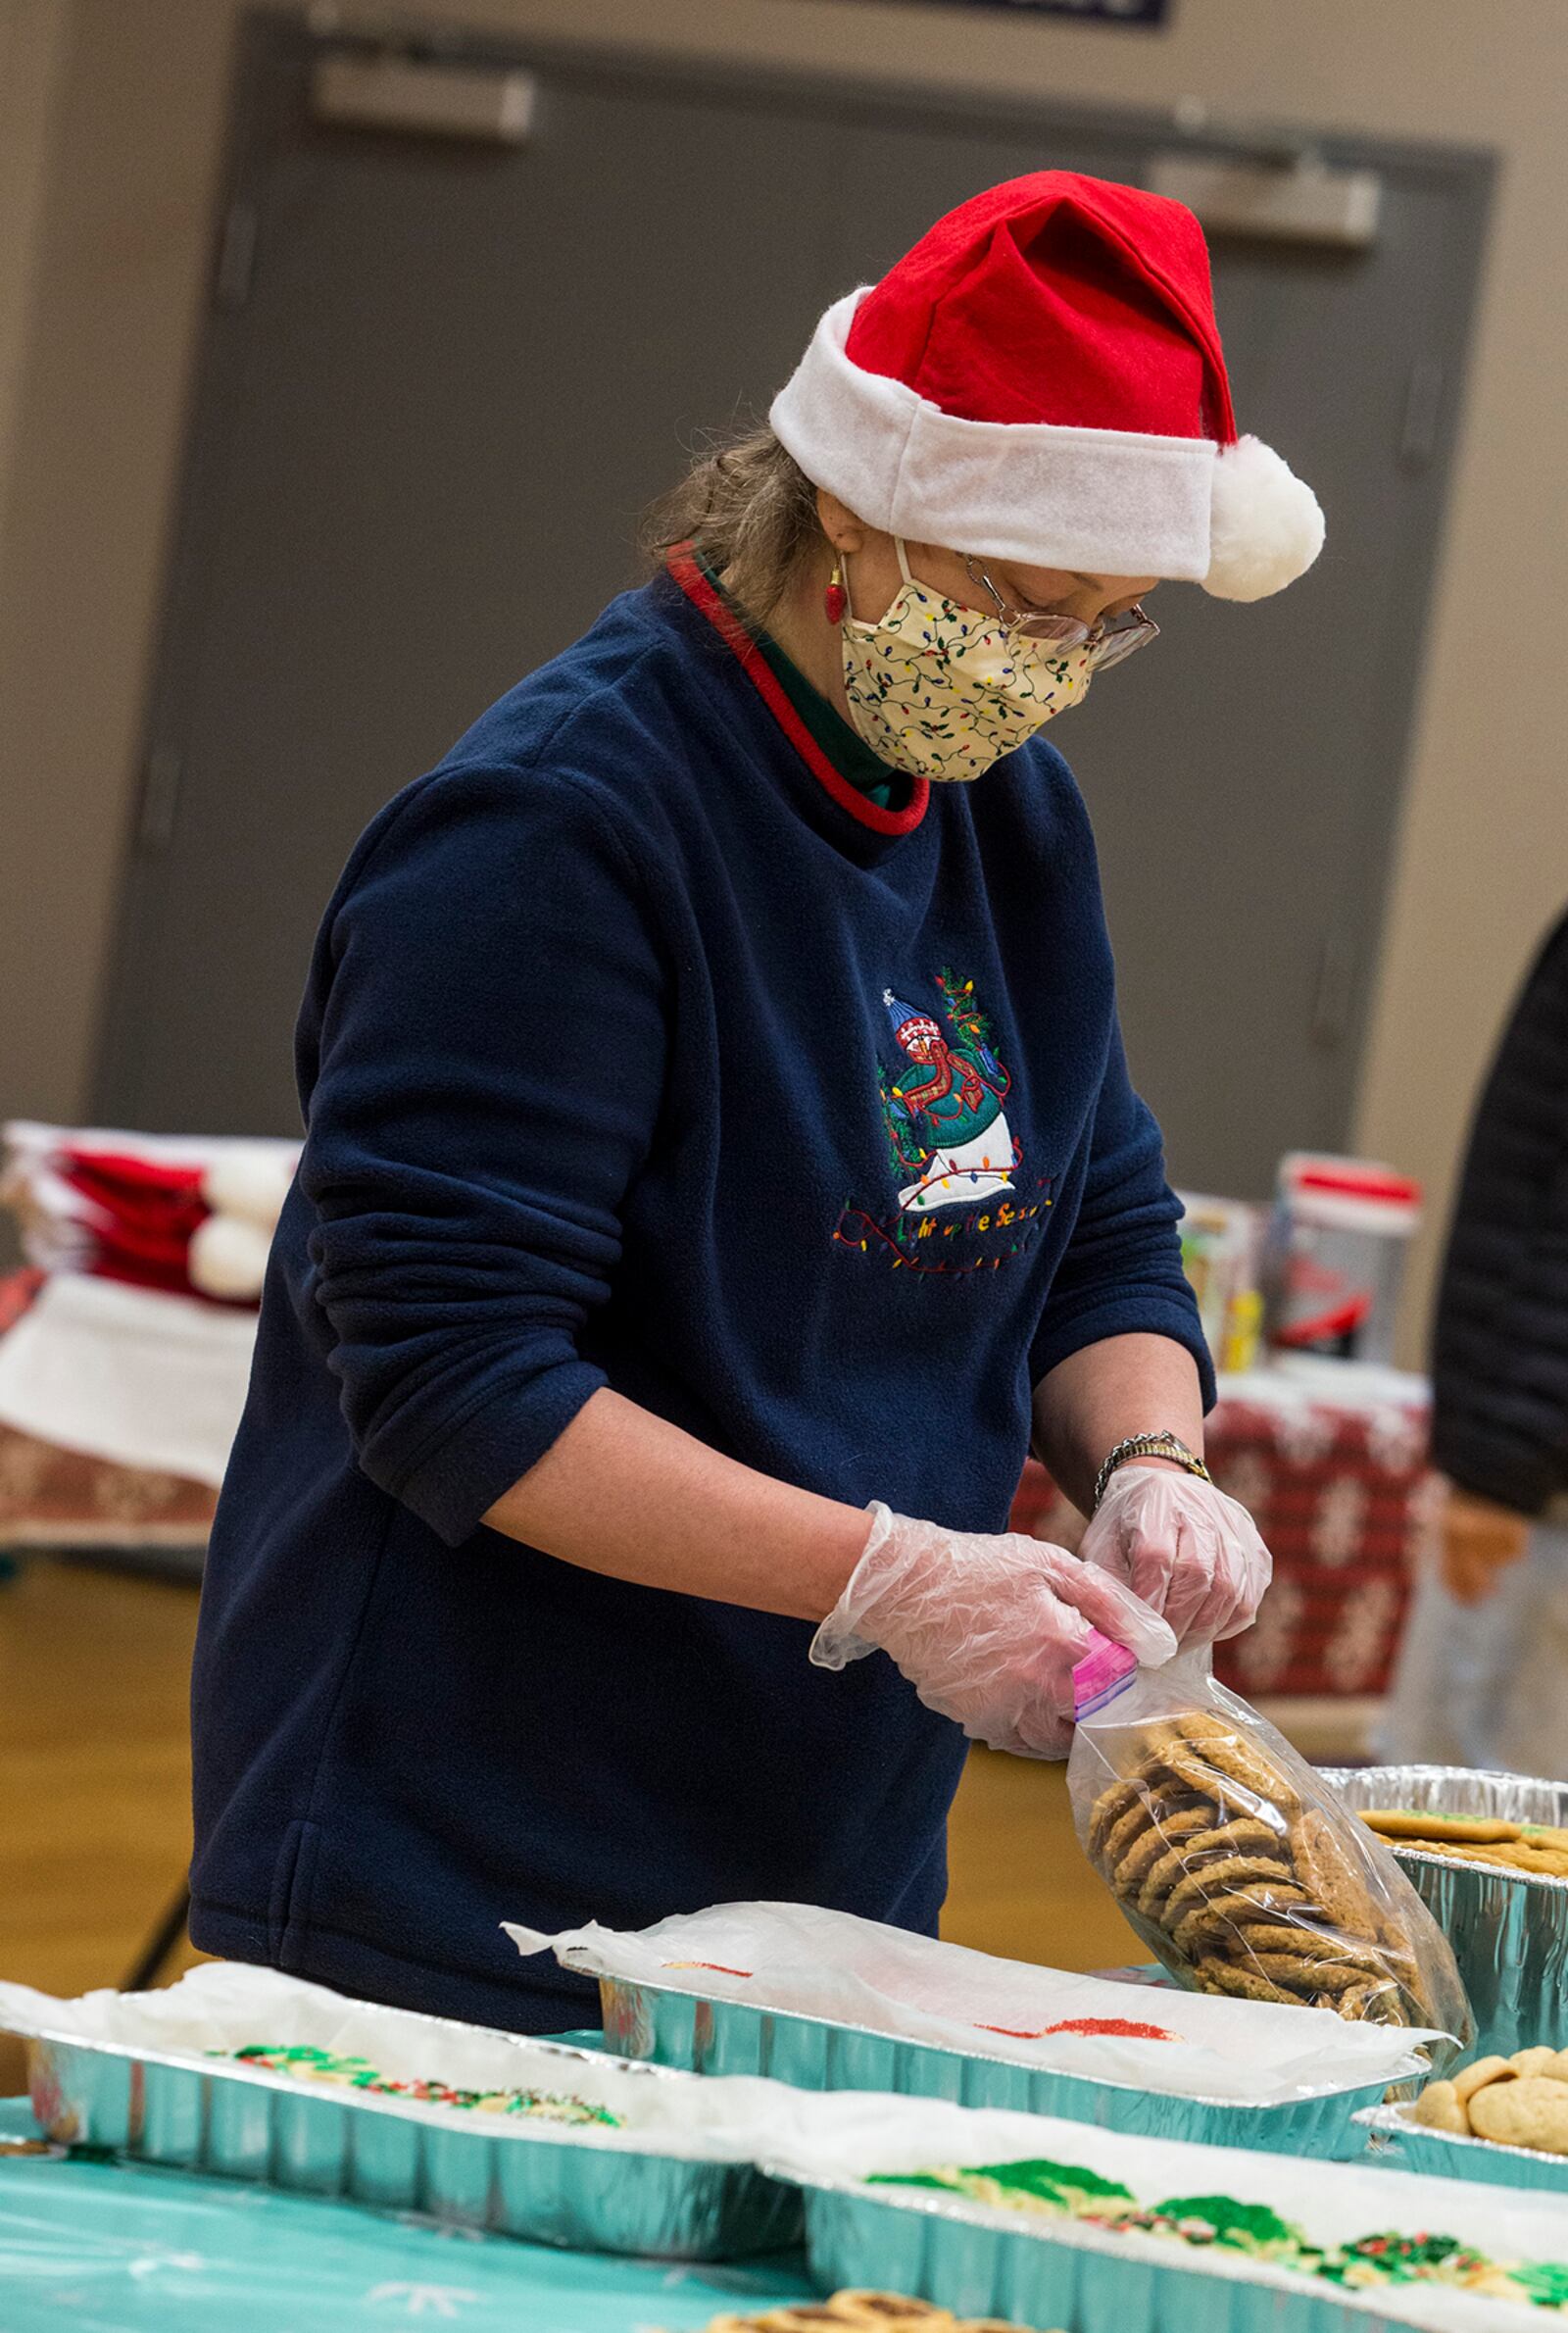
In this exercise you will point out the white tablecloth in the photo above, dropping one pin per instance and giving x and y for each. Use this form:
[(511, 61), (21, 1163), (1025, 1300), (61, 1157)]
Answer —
[(128, 1374)]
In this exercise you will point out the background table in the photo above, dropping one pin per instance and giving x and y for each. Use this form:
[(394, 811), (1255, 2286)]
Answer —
[(113, 2248)]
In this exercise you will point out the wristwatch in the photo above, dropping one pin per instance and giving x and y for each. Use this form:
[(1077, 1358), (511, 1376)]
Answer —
[(1162, 1445)]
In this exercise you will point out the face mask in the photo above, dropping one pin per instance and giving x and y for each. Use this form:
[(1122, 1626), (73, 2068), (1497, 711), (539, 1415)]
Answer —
[(937, 690)]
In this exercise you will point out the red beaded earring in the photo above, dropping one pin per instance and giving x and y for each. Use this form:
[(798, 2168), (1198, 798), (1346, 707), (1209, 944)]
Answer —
[(835, 599)]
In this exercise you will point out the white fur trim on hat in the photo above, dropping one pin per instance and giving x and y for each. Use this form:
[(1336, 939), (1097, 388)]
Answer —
[(227, 1257), (249, 1181), (1112, 501), (1108, 501), (1265, 526)]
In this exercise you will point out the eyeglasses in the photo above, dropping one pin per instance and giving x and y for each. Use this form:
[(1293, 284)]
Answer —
[(1109, 641)]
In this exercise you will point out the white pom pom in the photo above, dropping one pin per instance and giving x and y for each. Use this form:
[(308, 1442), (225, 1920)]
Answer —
[(249, 1183), (227, 1257), (1265, 527)]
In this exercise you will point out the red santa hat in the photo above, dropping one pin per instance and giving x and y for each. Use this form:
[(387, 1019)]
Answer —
[(183, 1216), (1041, 379)]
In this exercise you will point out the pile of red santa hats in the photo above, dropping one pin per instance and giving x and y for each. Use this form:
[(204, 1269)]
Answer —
[(137, 1347), (178, 1214)]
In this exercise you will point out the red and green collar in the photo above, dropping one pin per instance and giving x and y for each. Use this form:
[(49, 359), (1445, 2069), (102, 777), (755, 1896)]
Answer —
[(724, 617)]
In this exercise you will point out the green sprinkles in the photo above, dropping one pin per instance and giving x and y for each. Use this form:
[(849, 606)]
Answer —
[(1223, 2223), (307, 2064)]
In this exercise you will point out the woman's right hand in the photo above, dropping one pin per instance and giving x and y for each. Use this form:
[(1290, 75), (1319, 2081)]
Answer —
[(987, 1629), (1480, 1539)]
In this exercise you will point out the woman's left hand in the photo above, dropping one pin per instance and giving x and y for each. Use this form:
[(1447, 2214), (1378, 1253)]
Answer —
[(1183, 1547)]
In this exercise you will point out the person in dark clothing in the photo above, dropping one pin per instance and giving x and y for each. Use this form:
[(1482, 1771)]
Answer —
[(1484, 1680), (720, 1160)]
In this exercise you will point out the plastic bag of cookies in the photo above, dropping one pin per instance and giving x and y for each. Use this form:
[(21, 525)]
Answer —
[(1235, 1861)]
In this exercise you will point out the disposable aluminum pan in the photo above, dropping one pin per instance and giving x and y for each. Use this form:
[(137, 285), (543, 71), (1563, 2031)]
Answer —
[(673, 2028), (1046, 2273), (1451, 2155), (1508, 1929), (545, 2182)]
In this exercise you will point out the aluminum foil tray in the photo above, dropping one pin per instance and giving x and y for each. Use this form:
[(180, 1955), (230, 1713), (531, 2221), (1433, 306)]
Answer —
[(1045, 2274), (672, 2028), (1508, 1929), (546, 2183), (1451, 2155)]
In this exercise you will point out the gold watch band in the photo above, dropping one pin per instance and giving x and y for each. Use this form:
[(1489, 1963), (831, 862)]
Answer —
[(1163, 1445)]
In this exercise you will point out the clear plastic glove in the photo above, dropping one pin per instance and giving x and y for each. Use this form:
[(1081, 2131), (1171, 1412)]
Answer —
[(986, 1628), (1184, 1547)]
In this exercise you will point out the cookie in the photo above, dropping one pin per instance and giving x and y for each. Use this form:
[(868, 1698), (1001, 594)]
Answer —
[(1527, 1855), (893, 2310), (1409, 1822), (1166, 1830), (1372, 2003), (1128, 1827), (1250, 1765), (802, 2317), (1161, 1788), (1527, 2112), (1261, 1900), (1243, 1984), (1249, 1834), (1315, 1945), (1111, 1803), (1517, 1855), (1471, 2079), (1193, 1729), (1203, 1881), (1327, 1871), (1191, 1770), (1440, 2107), (1227, 1745), (1173, 1867), (1297, 1973)]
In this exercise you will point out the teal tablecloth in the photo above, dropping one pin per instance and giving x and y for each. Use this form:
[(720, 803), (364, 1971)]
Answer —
[(112, 2248)]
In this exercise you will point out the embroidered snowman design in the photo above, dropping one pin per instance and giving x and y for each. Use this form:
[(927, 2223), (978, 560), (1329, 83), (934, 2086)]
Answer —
[(946, 1125)]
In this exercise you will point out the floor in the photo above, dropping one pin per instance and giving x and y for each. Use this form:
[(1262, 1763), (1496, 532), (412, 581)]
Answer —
[(94, 1776)]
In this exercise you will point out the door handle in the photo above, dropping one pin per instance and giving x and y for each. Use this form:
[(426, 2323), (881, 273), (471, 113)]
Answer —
[(1335, 987), (159, 799)]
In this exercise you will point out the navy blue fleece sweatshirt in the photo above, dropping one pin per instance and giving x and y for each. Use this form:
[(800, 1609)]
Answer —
[(640, 1050)]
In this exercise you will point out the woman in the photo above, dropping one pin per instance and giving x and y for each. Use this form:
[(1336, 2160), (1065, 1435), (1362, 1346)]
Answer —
[(720, 1161)]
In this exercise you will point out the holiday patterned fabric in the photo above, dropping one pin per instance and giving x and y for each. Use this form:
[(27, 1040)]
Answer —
[(941, 689)]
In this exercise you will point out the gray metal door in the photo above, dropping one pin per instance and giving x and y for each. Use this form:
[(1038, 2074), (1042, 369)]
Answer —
[(442, 377)]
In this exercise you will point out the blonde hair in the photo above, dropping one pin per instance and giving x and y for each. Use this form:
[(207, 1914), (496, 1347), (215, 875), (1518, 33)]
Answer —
[(750, 509)]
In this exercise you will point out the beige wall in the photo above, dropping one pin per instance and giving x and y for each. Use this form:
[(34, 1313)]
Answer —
[(98, 309)]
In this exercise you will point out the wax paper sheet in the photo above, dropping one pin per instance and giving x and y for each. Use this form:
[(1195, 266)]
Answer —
[(799, 1959), (225, 2005), (852, 2135)]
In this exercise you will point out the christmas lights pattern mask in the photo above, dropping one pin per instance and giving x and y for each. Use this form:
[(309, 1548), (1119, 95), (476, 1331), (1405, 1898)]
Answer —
[(942, 691)]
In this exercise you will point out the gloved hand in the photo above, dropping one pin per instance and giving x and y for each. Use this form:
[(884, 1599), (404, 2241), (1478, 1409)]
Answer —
[(986, 1629), (1182, 1546)]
